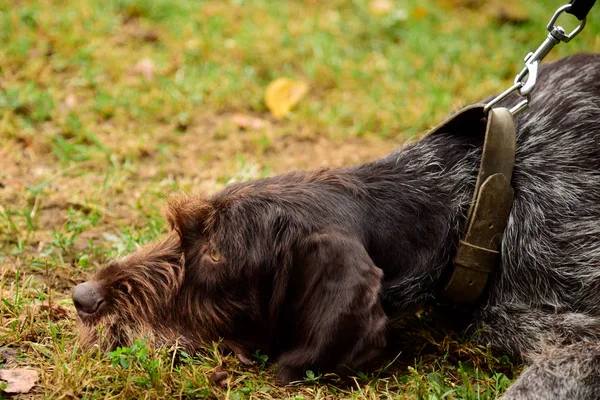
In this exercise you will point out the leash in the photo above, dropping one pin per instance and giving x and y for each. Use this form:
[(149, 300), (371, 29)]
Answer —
[(478, 253)]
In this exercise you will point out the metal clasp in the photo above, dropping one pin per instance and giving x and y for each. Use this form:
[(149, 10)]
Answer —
[(522, 105), (563, 36), (532, 60), (526, 79)]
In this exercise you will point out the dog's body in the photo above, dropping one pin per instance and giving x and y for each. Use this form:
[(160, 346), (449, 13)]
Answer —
[(303, 265)]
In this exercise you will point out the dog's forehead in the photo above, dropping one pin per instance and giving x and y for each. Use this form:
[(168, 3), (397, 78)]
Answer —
[(115, 267)]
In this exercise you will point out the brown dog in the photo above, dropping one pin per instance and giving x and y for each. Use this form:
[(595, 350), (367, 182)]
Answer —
[(258, 265), (301, 266)]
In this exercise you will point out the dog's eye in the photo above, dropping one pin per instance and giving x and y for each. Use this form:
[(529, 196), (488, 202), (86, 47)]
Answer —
[(215, 255)]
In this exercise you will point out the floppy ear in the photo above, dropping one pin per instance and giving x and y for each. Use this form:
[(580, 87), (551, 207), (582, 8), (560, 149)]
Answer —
[(334, 310), (189, 216)]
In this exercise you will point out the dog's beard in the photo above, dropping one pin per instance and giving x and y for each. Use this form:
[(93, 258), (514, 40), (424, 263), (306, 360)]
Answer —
[(111, 332)]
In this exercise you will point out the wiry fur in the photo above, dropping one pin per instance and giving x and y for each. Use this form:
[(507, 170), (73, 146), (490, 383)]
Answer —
[(311, 259)]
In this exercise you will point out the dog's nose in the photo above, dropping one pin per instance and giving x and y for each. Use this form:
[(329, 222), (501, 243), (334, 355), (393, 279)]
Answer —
[(87, 297)]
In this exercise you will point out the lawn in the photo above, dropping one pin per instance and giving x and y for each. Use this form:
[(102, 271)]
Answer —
[(108, 107)]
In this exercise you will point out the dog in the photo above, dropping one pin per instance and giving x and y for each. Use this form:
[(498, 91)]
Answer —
[(307, 267)]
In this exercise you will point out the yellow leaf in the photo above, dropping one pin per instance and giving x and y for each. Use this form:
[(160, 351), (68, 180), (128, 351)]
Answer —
[(283, 94)]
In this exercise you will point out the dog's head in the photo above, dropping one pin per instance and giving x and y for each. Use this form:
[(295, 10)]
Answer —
[(262, 266)]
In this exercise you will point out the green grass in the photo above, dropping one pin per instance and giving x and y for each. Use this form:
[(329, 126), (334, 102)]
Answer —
[(90, 149)]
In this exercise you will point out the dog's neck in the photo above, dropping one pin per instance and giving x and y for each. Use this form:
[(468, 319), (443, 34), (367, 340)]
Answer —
[(419, 197)]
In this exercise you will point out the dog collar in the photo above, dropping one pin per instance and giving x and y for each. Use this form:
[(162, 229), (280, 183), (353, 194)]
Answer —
[(478, 251)]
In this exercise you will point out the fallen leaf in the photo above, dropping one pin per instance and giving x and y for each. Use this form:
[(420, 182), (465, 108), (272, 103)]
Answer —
[(248, 122), (145, 68), (381, 7), (283, 94), (18, 380)]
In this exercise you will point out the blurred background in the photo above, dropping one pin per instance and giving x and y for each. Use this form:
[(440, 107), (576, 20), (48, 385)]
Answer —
[(108, 107)]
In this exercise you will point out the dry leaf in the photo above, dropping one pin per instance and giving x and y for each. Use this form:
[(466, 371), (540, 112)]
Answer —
[(381, 7), (144, 67), (18, 380), (283, 94), (248, 122)]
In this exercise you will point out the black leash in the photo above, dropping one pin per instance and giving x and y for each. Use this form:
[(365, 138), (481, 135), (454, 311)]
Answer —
[(581, 8)]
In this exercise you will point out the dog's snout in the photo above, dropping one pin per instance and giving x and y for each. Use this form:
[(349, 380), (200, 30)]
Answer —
[(87, 297)]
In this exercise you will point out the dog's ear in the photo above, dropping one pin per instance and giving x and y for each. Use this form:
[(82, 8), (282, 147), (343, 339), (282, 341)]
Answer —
[(189, 216), (334, 312)]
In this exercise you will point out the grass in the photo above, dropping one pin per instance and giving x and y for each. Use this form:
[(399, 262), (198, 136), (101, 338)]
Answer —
[(108, 107)]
